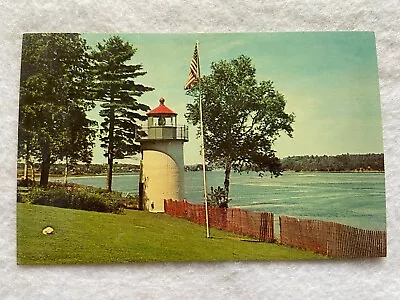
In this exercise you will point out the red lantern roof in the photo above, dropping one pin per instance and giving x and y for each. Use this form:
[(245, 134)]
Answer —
[(161, 110)]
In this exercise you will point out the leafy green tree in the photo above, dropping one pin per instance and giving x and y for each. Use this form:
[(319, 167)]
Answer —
[(241, 118), (116, 88), (80, 138), (27, 146), (54, 80)]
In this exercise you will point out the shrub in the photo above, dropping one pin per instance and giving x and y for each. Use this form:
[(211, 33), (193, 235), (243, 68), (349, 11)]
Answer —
[(218, 197), (19, 198), (91, 199), (131, 201), (25, 182)]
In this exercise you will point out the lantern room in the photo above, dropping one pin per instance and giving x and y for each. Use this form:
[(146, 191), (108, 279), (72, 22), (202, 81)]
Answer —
[(162, 115), (162, 125)]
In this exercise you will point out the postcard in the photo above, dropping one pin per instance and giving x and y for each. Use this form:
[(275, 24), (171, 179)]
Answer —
[(199, 147)]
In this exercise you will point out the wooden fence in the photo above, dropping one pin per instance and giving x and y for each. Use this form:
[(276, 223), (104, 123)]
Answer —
[(331, 239), (253, 224)]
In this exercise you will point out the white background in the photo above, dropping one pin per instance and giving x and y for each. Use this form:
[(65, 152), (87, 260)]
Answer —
[(349, 279)]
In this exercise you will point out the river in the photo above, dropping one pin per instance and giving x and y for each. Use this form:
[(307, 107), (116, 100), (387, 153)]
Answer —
[(355, 199)]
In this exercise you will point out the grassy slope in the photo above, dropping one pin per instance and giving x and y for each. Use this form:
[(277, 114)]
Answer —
[(90, 237)]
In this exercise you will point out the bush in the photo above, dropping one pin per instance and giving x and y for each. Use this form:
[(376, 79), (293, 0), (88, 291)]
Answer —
[(26, 182), (218, 197), (131, 201), (91, 199), (19, 198)]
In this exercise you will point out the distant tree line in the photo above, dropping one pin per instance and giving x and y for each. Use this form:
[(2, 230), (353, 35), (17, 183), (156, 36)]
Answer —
[(322, 163), (337, 163), (95, 169), (86, 169), (198, 167)]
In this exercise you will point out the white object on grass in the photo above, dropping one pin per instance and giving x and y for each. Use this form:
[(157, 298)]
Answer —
[(48, 230)]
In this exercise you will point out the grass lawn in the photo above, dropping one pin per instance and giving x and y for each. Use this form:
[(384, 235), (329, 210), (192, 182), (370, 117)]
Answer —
[(91, 237)]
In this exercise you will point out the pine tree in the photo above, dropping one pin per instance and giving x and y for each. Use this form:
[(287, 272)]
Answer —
[(116, 88)]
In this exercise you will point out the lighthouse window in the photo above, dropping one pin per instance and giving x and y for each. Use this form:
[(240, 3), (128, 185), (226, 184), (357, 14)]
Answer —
[(161, 121)]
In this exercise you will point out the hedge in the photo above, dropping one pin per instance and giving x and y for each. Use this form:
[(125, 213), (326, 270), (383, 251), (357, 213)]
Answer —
[(87, 198)]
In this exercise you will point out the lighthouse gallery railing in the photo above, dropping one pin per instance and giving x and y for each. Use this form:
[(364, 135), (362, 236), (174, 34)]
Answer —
[(180, 132)]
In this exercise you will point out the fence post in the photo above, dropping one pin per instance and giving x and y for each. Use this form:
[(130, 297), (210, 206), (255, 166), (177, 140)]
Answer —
[(261, 236)]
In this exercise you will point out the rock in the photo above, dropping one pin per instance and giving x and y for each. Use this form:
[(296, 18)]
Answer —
[(48, 230)]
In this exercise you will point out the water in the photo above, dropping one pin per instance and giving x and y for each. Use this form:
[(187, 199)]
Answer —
[(355, 199)]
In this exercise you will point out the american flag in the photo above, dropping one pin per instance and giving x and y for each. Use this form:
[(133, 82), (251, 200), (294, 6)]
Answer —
[(192, 78)]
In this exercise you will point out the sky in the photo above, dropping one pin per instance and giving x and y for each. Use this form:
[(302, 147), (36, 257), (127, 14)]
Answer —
[(329, 80)]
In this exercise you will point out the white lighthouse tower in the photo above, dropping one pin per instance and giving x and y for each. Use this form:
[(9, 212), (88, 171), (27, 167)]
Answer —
[(162, 164)]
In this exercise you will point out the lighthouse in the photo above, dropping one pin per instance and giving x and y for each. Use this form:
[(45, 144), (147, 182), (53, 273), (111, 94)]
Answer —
[(162, 164)]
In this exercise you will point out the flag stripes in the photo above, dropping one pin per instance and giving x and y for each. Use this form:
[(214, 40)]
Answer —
[(192, 78)]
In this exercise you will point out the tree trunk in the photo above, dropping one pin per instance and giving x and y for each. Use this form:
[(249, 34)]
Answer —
[(25, 176), (33, 172), (228, 165), (66, 171), (26, 166), (45, 166), (109, 172), (110, 154), (141, 184)]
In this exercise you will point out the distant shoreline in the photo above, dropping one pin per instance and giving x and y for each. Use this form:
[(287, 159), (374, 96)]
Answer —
[(37, 177), (219, 170), (346, 171)]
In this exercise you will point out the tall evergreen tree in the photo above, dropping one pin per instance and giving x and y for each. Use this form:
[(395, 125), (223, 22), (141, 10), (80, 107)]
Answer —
[(116, 88), (54, 80)]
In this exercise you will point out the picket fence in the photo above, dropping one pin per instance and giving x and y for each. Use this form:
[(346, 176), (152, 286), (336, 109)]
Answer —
[(331, 239), (253, 224)]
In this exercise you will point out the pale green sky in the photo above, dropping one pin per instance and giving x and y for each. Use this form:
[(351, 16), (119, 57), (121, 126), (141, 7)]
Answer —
[(329, 80)]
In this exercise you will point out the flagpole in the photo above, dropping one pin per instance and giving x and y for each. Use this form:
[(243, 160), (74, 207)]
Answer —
[(202, 141)]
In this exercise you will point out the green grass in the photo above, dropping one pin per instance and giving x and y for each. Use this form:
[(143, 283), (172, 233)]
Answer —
[(92, 237)]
